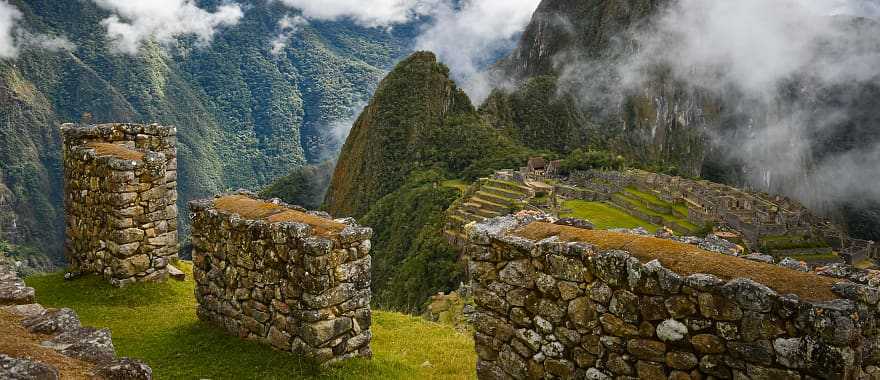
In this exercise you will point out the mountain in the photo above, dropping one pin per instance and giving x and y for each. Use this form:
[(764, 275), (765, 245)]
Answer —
[(418, 130), (245, 116), (565, 95), (570, 83)]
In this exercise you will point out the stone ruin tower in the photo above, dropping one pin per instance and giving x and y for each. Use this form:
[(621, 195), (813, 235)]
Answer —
[(120, 196)]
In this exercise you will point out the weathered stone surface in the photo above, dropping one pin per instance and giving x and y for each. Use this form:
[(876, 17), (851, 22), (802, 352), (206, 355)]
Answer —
[(708, 344), (25, 369), (646, 349), (120, 194), (681, 360), (289, 286), (623, 319), (650, 370), (671, 330), (125, 369), (86, 343), (53, 321)]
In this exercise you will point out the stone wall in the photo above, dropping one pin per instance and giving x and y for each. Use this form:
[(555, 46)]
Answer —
[(557, 309), (120, 194), (278, 274)]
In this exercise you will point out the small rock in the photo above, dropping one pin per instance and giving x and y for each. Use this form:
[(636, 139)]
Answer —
[(671, 330), (175, 273), (125, 369)]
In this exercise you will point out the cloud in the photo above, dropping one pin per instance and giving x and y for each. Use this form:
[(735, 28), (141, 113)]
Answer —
[(473, 36), (13, 37), (287, 27), (9, 16), (795, 78), (135, 21), (370, 13)]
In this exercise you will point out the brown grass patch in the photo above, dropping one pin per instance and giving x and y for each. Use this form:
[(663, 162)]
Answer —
[(250, 208), (686, 259), (17, 342), (116, 150)]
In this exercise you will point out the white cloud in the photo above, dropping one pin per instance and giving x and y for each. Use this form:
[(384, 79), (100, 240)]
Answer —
[(13, 37), (789, 69), (371, 13), (135, 21), (9, 16), (472, 37), (287, 27)]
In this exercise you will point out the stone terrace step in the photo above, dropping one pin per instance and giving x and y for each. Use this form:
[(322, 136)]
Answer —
[(489, 205), (469, 217), (503, 193), (475, 208), (494, 198), (508, 186)]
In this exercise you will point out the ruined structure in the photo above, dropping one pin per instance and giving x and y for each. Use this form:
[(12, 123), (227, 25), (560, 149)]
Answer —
[(560, 302), (539, 167), (755, 216), (120, 195), (275, 273)]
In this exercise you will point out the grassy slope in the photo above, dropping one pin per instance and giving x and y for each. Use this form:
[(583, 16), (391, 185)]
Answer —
[(157, 323), (604, 216)]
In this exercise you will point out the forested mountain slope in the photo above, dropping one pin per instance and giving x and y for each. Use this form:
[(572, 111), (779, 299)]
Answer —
[(245, 116)]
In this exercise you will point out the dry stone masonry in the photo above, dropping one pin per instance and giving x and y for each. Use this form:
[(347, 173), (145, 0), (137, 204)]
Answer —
[(559, 307), (276, 273), (120, 197)]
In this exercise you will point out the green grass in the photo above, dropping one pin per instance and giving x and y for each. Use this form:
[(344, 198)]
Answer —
[(650, 198), (604, 216), (462, 186), (667, 217), (818, 257), (157, 323)]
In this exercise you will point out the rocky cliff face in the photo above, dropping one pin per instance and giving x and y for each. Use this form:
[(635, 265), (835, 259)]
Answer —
[(245, 115)]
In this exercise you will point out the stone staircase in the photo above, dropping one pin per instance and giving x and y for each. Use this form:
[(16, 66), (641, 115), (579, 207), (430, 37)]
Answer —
[(486, 198)]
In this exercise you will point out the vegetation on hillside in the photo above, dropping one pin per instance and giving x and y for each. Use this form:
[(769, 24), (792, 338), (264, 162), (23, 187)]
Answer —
[(157, 323), (305, 186), (418, 131), (411, 258), (244, 115)]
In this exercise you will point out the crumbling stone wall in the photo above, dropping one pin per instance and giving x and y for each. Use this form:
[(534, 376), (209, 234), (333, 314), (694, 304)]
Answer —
[(120, 195), (280, 280), (555, 309)]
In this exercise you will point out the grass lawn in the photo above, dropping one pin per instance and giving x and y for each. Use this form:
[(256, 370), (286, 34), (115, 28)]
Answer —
[(462, 186), (157, 323), (604, 216)]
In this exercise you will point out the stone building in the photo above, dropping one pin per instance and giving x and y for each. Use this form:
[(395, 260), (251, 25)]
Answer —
[(120, 197), (561, 302), (278, 274)]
